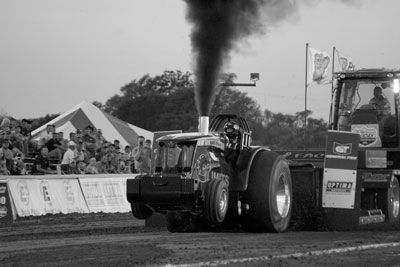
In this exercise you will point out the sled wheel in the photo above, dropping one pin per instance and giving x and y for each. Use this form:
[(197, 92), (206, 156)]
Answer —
[(216, 201), (141, 211), (269, 194), (393, 201)]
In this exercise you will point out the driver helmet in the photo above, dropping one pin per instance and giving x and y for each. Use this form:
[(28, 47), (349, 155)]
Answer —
[(231, 129)]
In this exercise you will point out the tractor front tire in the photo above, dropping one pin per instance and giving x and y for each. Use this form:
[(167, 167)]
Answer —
[(393, 201), (268, 194), (141, 211), (216, 201)]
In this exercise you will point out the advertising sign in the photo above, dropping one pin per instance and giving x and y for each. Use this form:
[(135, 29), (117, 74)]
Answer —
[(105, 194), (5, 205), (35, 197), (340, 170)]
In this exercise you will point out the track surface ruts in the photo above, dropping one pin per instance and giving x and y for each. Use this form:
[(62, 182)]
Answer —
[(120, 240)]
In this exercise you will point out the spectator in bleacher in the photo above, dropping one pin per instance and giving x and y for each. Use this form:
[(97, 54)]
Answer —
[(3, 167), (68, 163), (98, 136), (5, 129), (80, 167), (24, 137), (12, 158), (112, 158), (41, 164), (6, 157), (126, 157), (72, 137), (101, 151), (91, 168), (117, 143), (47, 135), (81, 154), (88, 139), (16, 138), (141, 155), (149, 151), (13, 123), (62, 140), (55, 147), (26, 126)]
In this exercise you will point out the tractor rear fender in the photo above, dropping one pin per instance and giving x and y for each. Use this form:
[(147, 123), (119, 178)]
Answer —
[(243, 167)]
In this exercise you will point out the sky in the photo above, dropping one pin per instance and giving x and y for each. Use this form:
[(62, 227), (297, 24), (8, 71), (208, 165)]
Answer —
[(55, 54)]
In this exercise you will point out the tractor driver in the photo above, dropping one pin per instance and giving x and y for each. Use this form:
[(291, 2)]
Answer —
[(232, 131), (380, 103)]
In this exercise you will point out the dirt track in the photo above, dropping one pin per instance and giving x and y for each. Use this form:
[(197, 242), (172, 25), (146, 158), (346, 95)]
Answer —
[(120, 240)]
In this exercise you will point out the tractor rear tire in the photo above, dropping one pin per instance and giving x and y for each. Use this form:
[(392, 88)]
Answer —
[(268, 194), (141, 211), (216, 201), (393, 201), (181, 222)]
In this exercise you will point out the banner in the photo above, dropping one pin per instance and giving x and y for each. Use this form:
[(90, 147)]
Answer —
[(340, 170), (35, 197), (5, 203), (319, 62), (106, 194), (345, 62)]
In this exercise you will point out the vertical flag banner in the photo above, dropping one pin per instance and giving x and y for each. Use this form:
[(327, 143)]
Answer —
[(319, 62), (345, 62)]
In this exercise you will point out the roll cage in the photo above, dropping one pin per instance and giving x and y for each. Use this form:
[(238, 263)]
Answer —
[(219, 121)]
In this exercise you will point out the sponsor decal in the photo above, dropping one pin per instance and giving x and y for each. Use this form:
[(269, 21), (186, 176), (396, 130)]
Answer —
[(220, 176), (339, 187), (202, 168), (3, 211), (375, 177), (44, 190), (24, 192), (304, 155), (341, 149), (369, 134), (3, 200), (3, 189), (69, 192)]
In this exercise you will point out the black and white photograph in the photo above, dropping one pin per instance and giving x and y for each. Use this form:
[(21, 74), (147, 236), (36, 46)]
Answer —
[(199, 133)]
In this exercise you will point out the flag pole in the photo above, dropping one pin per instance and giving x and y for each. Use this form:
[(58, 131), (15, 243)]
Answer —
[(332, 88), (333, 65), (305, 99)]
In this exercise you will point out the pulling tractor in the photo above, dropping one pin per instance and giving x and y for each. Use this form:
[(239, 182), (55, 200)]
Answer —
[(216, 177)]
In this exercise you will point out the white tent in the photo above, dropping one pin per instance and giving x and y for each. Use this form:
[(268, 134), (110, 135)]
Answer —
[(86, 114)]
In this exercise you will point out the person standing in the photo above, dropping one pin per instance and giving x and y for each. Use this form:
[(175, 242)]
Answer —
[(6, 158), (139, 155), (68, 163)]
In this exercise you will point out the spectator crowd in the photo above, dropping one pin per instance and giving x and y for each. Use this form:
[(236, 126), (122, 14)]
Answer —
[(84, 151)]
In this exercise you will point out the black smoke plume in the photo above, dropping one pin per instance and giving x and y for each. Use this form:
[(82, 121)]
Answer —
[(218, 27)]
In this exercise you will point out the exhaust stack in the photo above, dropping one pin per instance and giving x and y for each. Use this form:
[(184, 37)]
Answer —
[(203, 124)]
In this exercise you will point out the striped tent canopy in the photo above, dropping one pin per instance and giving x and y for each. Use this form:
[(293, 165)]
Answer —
[(86, 114)]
